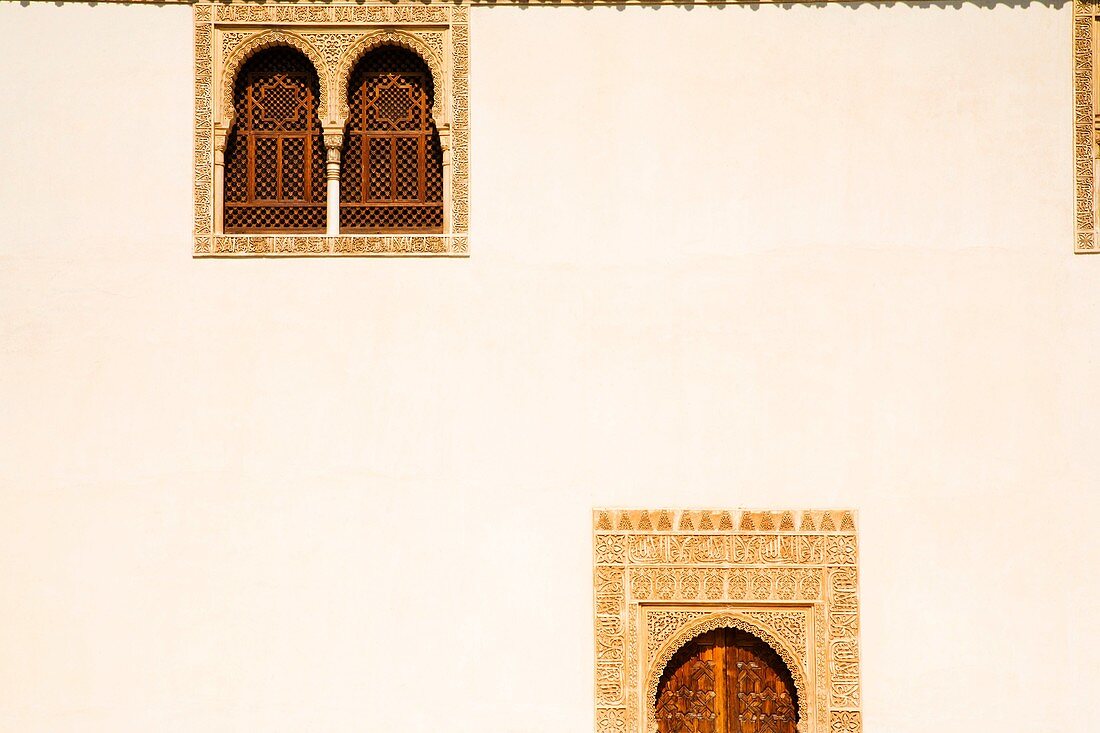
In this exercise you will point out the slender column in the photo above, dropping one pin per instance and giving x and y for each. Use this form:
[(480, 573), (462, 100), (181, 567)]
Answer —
[(333, 142), (220, 138), (445, 144)]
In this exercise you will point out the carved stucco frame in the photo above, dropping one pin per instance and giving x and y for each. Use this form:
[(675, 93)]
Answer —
[(662, 577), (1085, 126), (334, 36)]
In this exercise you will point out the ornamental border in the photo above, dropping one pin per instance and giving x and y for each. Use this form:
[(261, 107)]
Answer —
[(661, 575), (332, 32), (1085, 126)]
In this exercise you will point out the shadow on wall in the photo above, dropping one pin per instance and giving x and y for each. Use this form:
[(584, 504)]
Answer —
[(650, 4), (722, 5), (93, 3)]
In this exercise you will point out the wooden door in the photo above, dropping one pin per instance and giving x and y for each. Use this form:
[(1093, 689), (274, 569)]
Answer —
[(726, 681)]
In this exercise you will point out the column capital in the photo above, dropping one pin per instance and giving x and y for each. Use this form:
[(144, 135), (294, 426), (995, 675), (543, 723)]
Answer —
[(334, 137), (221, 137)]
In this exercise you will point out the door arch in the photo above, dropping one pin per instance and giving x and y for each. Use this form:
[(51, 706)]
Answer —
[(726, 681)]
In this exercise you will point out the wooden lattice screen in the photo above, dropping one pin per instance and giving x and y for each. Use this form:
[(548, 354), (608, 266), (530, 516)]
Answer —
[(392, 169), (275, 156)]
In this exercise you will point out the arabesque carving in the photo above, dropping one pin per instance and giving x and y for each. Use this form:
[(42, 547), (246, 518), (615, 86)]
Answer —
[(1085, 126), (360, 47), (789, 624), (333, 36), (662, 577), (250, 44)]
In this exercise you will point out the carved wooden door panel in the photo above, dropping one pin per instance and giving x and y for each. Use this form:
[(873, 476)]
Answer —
[(687, 700), (726, 681)]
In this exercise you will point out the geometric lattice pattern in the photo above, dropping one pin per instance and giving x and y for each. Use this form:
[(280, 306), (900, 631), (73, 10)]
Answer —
[(389, 218), (268, 217), (688, 699), (781, 587), (274, 158), (392, 167)]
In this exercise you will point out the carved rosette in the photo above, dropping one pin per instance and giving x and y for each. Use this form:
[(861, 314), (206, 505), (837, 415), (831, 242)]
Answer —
[(662, 577), (333, 36)]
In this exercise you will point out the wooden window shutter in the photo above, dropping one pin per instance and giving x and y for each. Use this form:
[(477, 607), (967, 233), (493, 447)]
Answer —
[(275, 156), (391, 175)]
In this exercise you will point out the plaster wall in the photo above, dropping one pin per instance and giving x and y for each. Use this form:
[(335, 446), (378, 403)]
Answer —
[(753, 256)]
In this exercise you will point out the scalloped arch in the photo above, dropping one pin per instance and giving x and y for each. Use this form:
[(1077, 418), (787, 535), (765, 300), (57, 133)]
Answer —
[(724, 620), (360, 48), (263, 40)]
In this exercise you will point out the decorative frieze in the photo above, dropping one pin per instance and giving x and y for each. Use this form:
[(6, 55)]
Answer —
[(231, 245)]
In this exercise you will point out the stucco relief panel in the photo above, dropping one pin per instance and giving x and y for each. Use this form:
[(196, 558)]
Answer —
[(1085, 126)]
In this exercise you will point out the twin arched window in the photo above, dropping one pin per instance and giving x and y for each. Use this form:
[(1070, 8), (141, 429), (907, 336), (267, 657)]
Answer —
[(391, 170)]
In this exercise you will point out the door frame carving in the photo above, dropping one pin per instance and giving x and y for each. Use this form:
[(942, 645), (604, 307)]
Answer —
[(661, 577)]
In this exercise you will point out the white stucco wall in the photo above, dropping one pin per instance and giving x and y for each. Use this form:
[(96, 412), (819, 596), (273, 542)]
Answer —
[(765, 257)]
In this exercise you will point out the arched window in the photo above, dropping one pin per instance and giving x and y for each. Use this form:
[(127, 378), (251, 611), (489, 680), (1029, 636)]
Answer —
[(726, 681), (392, 172), (275, 156)]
